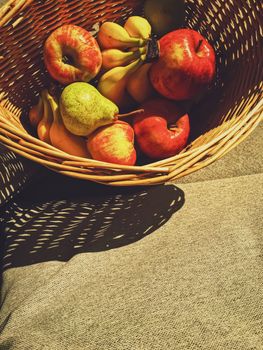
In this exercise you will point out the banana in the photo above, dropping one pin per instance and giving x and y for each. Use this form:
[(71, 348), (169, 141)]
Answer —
[(138, 27), (139, 85), (36, 113), (61, 138), (43, 128), (113, 83), (114, 57), (112, 35)]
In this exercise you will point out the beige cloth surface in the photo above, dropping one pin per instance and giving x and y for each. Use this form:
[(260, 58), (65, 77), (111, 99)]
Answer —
[(195, 283)]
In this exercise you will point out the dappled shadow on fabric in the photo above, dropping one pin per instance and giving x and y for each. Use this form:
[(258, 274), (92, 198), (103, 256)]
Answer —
[(73, 217)]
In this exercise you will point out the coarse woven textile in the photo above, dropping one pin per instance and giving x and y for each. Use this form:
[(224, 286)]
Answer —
[(195, 283)]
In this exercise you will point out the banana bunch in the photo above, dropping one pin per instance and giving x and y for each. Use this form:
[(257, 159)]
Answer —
[(138, 27), (115, 58), (113, 83), (135, 33), (139, 85), (36, 112), (124, 51), (46, 119)]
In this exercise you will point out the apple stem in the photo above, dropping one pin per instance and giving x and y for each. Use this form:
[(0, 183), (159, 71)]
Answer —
[(118, 116), (199, 45)]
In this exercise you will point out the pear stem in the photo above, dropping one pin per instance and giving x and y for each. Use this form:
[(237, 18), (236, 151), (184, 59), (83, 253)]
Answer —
[(118, 116)]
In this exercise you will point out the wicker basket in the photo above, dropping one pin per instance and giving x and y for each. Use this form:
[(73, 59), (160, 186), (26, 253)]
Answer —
[(226, 116)]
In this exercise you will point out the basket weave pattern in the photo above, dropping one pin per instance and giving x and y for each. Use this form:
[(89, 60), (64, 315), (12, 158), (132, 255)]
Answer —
[(228, 113)]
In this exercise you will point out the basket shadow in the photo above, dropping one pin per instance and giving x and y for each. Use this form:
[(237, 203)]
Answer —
[(74, 217)]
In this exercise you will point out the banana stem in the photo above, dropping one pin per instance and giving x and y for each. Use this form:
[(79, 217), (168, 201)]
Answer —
[(142, 42), (143, 49), (153, 50), (140, 53), (124, 115)]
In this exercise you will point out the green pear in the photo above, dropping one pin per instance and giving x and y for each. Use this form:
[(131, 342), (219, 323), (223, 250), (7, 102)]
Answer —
[(84, 109)]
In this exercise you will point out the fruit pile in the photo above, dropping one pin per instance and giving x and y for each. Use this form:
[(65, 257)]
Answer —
[(123, 66)]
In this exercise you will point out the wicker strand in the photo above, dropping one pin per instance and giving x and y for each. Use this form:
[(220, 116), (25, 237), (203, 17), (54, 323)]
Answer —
[(13, 7)]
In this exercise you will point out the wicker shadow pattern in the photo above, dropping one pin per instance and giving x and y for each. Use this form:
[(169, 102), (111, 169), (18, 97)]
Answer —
[(15, 172), (221, 120), (37, 231)]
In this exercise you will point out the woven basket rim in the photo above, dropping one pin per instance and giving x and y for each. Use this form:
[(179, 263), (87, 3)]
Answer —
[(253, 118)]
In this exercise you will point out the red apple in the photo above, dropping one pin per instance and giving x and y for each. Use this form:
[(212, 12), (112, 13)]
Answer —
[(186, 65), (79, 47), (113, 143), (162, 129)]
